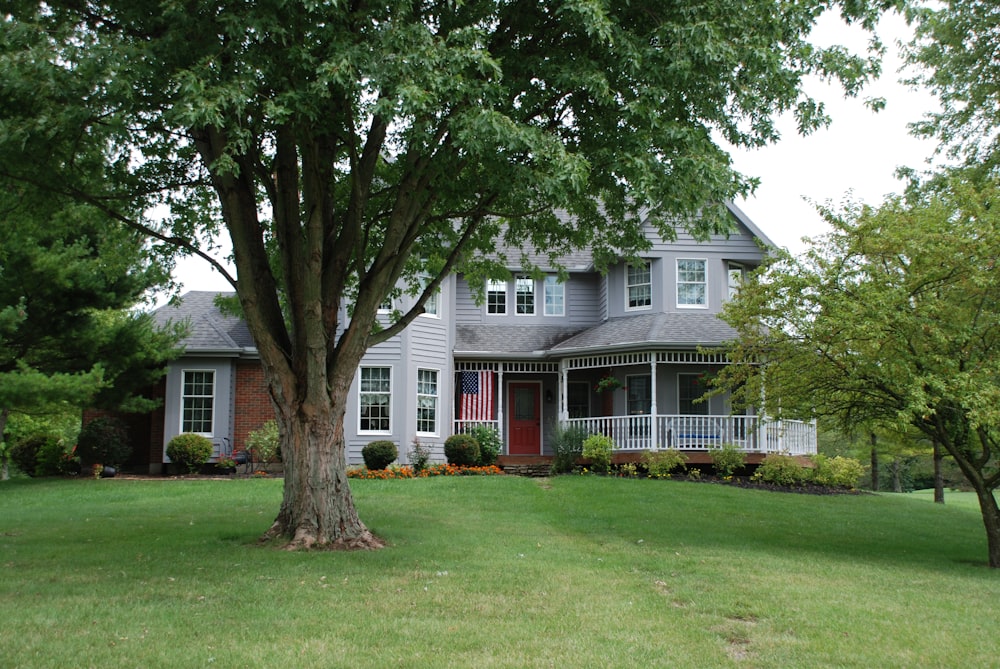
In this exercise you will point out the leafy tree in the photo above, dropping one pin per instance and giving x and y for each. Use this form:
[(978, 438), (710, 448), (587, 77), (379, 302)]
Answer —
[(892, 317), (374, 146), (955, 47), (67, 283)]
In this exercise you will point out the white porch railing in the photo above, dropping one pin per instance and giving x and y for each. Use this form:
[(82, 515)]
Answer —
[(465, 426), (697, 433)]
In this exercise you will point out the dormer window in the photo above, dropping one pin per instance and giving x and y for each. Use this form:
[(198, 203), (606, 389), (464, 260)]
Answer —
[(524, 295), (555, 296), (638, 286), (692, 282)]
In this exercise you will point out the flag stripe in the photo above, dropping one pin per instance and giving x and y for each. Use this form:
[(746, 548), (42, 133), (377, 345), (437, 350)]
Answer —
[(476, 396)]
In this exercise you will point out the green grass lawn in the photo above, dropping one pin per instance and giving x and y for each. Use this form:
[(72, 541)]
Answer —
[(493, 572)]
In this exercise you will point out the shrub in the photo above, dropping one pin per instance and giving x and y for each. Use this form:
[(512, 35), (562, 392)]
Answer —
[(597, 448), (419, 456), (780, 469), (379, 454), (265, 443), (838, 471), (461, 450), (727, 459), (489, 444), (567, 446), (103, 441), (661, 464), (24, 455), (190, 451)]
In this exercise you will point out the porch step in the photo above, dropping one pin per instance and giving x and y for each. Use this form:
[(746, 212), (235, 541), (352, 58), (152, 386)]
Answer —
[(525, 465)]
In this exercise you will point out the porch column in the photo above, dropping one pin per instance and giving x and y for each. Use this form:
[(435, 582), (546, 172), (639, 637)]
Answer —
[(500, 400), (655, 432), (563, 392)]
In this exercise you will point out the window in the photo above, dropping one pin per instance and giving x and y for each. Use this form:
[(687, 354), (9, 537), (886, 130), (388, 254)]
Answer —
[(640, 394), (198, 401), (427, 401), (735, 280), (691, 283), (374, 393), (555, 296), (496, 297), (578, 400), (431, 305), (691, 387), (386, 306), (524, 295), (638, 286)]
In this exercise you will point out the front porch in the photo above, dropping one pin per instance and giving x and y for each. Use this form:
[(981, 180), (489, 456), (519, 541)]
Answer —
[(689, 433), (622, 396)]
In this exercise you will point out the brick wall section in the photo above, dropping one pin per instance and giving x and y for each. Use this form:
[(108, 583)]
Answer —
[(253, 404), (145, 431)]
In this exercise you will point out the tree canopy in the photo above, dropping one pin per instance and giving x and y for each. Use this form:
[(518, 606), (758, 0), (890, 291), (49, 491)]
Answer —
[(373, 146), (891, 319)]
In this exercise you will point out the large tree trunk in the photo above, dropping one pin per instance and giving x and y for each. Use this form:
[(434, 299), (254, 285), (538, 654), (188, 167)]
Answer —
[(938, 476), (4, 447), (874, 461), (317, 510), (991, 521)]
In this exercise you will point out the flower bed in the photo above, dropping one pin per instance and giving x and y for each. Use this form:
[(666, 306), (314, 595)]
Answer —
[(407, 472)]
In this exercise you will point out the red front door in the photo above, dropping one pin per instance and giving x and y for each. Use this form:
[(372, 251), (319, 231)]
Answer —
[(524, 427)]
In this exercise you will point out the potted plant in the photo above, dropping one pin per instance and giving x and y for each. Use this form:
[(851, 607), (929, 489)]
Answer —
[(226, 463), (608, 383)]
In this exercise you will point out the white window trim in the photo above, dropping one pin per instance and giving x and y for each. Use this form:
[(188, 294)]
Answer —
[(534, 295), (215, 381), (677, 280), (360, 393), (645, 307), (506, 295), (437, 406), (561, 285)]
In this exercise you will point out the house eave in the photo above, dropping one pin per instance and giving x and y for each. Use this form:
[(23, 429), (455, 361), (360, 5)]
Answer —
[(632, 347), (500, 355)]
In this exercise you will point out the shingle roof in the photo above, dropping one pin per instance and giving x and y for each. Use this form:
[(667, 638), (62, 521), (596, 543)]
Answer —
[(509, 339), (685, 330), (209, 330)]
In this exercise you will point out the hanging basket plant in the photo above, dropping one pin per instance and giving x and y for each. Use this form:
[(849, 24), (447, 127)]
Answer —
[(607, 384)]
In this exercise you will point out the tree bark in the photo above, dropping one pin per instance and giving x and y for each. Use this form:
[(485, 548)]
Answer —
[(938, 476), (317, 509), (874, 461), (991, 521), (895, 468)]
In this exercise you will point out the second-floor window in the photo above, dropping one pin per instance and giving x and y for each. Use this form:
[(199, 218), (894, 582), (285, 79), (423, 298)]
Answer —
[(496, 297), (735, 280), (638, 286), (555, 296), (198, 401), (692, 283), (374, 393), (427, 401), (524, 295)]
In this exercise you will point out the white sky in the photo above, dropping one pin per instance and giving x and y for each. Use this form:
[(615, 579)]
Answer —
[(855, 157)]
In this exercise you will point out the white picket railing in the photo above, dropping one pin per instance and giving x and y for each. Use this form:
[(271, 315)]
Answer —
[(691, 433), (697, 433)]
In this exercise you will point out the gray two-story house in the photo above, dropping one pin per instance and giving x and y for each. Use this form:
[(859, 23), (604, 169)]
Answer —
[(625, 353)]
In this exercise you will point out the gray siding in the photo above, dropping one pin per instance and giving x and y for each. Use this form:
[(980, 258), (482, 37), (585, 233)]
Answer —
[(223, 403)]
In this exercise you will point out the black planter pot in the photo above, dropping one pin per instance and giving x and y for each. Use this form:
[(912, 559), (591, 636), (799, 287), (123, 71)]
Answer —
[(108, 472)]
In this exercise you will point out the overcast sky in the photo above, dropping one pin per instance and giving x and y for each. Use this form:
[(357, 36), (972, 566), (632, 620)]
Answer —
[(856, 156)]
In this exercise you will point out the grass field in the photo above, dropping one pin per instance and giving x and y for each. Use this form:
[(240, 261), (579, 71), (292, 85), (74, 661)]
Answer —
[(494, 572)]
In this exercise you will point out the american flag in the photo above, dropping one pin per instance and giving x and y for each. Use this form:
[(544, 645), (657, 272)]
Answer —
[(477, 396)]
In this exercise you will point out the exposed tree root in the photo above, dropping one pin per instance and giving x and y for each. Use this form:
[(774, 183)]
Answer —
[(306, 539)]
